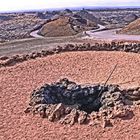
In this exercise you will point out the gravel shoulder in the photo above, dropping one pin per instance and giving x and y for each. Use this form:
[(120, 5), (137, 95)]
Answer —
[(17, 82)]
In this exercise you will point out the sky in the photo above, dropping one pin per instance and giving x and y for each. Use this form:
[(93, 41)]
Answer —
[(18, 5)]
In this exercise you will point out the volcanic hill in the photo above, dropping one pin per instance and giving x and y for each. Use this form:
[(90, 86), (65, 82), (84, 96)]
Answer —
[(66, 26), (132, 29)]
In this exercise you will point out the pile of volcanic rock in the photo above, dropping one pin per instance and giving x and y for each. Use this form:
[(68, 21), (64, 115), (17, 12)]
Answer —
[(68, 103)]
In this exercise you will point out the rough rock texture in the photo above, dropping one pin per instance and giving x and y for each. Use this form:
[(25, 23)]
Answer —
[(67, 11), (4, 17), (58, 27), (18, 26), (133, 28), (66, 26), (40, 15), (70, 103), (86, 15), (130, 17), (18, 81)]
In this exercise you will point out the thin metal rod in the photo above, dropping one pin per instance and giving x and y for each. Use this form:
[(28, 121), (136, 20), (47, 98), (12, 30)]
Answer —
[(108, 79)]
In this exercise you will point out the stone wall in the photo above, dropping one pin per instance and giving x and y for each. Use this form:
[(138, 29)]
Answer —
[(113, 46)]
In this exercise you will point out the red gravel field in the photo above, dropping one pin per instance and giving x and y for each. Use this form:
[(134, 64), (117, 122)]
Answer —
[(17, 83)]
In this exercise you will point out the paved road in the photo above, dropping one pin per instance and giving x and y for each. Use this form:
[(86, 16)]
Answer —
[(101, 27), (35, 34), (110, 35)]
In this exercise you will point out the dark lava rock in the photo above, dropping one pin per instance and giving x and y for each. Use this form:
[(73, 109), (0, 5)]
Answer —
[(86, 15), (2, 17), (40, 15), (70, 103), (69, 93), (130, 17), (4, 57), (68, 11)]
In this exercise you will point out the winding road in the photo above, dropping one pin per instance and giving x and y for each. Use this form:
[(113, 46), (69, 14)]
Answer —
[(101, 28), (35, 34), (38, 42), (109, 35), (100, 34)]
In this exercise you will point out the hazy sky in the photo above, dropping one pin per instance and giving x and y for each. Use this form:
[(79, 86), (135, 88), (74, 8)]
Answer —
[(15, 5)]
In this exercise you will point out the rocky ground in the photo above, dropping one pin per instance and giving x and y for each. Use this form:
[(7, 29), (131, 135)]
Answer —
[(117, 18), (18, 26), (114, 18), (18, 82)]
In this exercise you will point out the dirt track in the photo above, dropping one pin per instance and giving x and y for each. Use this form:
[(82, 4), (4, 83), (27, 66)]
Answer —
[(25, 46), (17, 82)]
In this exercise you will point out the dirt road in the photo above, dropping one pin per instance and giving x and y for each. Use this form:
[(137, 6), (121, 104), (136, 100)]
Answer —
[(25, 46)]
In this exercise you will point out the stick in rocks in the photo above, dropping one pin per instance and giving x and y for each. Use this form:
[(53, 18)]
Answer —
[(108, 79)]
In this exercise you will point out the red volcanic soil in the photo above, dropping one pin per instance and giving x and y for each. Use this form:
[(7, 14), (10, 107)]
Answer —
[(17, 82)]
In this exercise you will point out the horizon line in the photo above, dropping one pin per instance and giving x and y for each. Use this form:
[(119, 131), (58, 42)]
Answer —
[(72, 8)]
